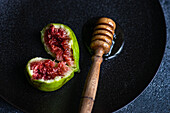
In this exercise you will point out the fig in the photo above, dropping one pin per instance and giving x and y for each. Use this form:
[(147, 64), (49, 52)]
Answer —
[(60, 42)]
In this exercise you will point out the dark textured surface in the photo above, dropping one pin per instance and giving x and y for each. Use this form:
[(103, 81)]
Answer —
[(153, 99), (156, 97)]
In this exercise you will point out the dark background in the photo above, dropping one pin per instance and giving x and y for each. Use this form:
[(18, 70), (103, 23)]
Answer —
[(155, 97)]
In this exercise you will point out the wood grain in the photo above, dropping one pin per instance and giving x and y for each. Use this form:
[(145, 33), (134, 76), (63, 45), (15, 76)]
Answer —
[(91, 84)]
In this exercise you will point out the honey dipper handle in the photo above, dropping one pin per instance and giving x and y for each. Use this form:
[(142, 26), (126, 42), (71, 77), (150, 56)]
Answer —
[(91, 84)]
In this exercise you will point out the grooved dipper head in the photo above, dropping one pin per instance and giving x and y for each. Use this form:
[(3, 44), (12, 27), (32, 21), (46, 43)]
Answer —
[(103, 34)]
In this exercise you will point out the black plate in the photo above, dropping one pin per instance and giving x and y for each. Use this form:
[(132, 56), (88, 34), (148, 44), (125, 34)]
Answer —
[(121, 79)]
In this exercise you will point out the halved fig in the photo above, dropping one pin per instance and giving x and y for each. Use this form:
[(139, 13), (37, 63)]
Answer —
[(60, 42)]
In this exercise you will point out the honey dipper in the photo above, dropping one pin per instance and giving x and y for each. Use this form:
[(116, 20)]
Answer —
[(100, 44)]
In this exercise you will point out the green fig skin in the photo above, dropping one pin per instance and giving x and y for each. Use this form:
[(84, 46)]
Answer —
[(55, 84)]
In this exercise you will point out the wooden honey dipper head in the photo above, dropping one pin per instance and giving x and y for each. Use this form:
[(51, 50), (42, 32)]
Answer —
[(103, 36)]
